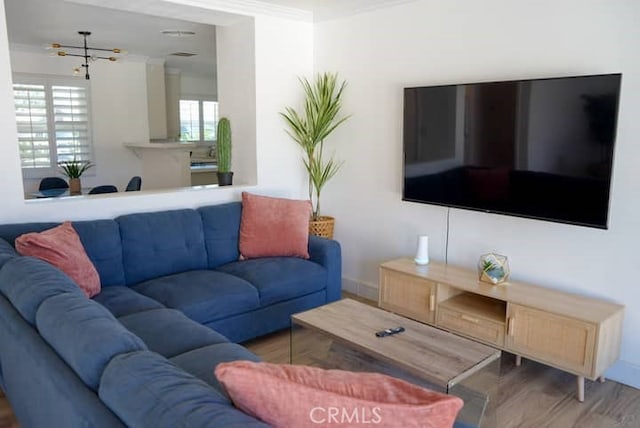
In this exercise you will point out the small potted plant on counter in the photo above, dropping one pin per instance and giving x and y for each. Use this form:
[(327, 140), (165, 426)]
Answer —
[(223, 147), (74, 169)]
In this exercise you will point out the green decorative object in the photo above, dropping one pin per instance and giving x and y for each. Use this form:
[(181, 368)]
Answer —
[(74, 168), (223, 147), (310, 127), (493, 268)]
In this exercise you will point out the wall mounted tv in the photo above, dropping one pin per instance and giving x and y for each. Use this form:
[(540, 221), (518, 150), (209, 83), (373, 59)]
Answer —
[(538, 148)]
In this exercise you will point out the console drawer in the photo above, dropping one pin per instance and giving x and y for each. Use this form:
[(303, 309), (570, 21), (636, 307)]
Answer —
[(471, 325)]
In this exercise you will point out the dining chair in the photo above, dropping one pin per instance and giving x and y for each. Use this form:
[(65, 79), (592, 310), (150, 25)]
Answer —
[(107, 188), (134, 184), (52, 183)]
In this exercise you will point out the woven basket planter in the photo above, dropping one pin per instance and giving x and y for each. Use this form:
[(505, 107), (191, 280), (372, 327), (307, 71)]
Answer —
[(323, 227)]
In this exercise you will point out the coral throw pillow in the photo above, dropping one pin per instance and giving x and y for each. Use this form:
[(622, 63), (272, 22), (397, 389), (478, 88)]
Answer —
[(302, 396), (271, 227), (61, 246)]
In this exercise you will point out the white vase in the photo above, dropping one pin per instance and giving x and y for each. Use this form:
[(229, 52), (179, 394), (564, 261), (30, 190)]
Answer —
[(422, 254)]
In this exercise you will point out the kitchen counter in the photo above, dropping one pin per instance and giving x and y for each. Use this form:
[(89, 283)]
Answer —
[(203, 168), (161, 146)]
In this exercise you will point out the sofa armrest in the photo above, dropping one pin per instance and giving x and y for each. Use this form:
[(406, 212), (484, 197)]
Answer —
[(144, 389), (7, 252), (327, 252)]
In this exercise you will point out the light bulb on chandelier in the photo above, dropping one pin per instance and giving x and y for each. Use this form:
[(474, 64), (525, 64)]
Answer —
[(88, 57)]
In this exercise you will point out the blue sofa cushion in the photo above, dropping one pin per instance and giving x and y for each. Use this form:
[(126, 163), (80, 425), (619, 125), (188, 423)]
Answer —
[(101, 241), (7, 252), (203, 361), (122, 301), (161, 243), (279, 278), (169, 332), (202, 295), (27, 282), (100, 238), (221, 224), (267, 319), (9, 232), (84, 334), (165, 396)]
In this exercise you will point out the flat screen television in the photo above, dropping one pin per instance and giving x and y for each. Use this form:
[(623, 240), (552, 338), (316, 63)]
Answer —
[(537, 148)]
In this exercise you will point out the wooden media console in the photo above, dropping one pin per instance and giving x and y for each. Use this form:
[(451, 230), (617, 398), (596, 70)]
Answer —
[(577, 334)]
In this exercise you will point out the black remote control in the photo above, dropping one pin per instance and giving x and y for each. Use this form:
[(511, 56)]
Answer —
[(390, 331)]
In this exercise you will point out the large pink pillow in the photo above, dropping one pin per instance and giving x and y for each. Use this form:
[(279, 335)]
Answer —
[(271, 227), (61, 246), (301, 396)]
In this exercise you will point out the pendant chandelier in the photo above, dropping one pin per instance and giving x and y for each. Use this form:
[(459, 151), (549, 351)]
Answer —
[(85, 52)]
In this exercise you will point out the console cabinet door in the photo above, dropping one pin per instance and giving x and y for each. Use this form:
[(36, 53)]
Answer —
[(557, 340), (407, 295)]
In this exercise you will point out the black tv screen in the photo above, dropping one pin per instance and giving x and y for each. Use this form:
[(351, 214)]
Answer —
[(538, 148)]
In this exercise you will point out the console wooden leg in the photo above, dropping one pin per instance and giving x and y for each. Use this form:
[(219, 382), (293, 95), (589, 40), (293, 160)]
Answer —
[(601, 379), (580, 382), (518, 360)]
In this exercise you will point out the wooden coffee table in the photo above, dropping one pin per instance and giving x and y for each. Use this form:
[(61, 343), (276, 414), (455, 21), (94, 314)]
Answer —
[(342, 335)]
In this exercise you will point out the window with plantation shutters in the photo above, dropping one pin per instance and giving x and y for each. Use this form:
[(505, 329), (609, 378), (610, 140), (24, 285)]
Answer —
[(53, 121), (71, 123), (33, 128)]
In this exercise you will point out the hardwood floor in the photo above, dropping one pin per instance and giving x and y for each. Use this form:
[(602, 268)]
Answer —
[(7, 419), (529, 396)]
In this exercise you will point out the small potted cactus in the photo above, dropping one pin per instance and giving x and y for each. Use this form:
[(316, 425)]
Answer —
[(223, 147)]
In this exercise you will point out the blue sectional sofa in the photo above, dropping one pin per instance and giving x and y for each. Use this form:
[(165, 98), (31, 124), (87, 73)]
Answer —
[(175, 301)]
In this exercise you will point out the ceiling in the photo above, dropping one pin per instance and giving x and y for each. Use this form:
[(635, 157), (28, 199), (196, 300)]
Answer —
[(140, 35)]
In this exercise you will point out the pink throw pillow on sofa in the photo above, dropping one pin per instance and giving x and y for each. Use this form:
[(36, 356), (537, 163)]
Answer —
[(271, 227), (61, 246), (302, 396)]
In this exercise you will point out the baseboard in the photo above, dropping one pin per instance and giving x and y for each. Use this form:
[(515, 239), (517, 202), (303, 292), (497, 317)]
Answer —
[(624, 372), (368, 291)]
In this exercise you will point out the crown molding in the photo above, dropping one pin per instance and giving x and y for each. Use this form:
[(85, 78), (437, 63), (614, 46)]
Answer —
[(354, 7), (214, 12), (251, 8), (228, 12)]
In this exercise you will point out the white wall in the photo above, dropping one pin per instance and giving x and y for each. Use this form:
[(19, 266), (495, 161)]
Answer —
[(119, 112), (156, 100), (281, 57), (237, 101), (198, 85), (275, 177), (435, 42), (172, 97)]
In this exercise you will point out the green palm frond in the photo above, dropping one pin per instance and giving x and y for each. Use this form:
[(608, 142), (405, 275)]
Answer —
[(74, 168), (309, 128)]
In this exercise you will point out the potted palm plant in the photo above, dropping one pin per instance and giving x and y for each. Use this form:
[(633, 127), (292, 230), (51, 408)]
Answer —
[(223, 147), (74, 169), (309, 128)]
